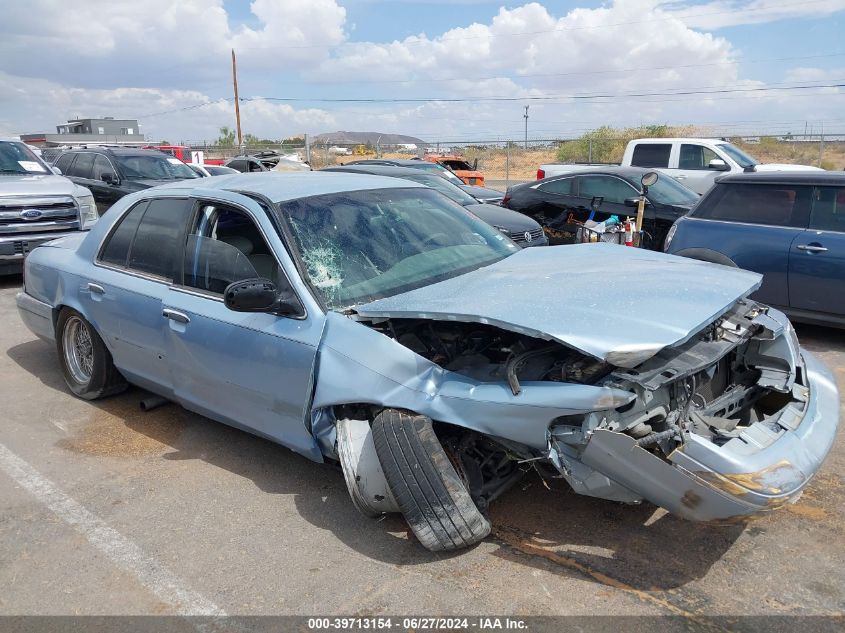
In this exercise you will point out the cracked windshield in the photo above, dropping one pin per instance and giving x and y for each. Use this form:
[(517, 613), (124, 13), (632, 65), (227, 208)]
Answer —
[(365, 245)]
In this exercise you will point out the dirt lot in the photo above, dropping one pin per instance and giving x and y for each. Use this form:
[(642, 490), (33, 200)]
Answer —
[(108, 510)]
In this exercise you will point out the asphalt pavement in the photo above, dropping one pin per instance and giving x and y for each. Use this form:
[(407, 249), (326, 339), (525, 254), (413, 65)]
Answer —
[(105, 509)]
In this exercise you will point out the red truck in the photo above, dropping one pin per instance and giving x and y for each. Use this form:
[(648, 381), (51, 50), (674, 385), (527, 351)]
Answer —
[(183, 153)]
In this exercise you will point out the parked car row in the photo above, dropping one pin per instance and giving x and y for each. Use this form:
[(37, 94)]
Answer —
[(785, 225), (373, 322)]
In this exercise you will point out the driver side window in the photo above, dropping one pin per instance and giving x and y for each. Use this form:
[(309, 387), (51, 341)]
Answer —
[(224, 245)]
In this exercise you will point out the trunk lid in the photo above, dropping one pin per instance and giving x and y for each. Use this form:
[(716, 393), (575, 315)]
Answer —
[(618, 304)]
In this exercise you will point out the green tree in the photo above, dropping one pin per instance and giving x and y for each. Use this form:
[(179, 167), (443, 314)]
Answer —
[(226, 138)]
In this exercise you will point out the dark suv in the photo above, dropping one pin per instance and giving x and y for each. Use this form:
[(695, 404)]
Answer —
[(111, 173)]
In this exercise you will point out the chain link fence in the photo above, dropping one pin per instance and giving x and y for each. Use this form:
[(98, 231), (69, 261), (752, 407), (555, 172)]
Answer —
[(504, 163)]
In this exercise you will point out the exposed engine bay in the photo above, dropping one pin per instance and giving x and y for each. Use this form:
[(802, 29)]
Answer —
[(735, 373)]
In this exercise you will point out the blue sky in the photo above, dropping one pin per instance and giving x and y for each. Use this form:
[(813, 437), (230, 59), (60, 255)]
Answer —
[(168, 64)]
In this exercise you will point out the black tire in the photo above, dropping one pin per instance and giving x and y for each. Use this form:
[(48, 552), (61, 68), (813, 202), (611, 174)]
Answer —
[(706, 255), (99, 378), (428, 490)]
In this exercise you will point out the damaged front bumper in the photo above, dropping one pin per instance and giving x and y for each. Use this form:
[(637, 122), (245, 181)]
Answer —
[(701, 481)]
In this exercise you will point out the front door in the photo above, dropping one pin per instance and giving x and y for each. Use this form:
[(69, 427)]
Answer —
[(817, 257), (105, 194), (250, 370), (693, 167)]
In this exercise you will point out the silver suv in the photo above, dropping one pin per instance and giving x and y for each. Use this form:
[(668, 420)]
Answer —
[(36, 205)]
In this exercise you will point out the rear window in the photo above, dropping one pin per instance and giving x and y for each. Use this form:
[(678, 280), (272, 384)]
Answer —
[(769, 204), (651, 154)]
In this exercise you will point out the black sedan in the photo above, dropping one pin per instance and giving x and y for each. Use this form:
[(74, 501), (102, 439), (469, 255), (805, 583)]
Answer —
[(560, 202), (521, 229)]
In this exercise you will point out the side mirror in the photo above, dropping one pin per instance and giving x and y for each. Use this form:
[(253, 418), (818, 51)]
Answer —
[(635, 202), (55, 170), (260, 295), (109, 178), (718, 164)]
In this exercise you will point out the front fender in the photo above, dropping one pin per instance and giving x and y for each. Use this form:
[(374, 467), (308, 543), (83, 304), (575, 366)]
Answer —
[(360, 365)]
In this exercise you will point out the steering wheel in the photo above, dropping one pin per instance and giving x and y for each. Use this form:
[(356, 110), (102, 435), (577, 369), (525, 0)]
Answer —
[(432, 238)]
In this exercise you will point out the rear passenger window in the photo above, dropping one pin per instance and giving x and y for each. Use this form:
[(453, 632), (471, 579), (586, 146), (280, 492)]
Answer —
[(829, 209), (774, 205), (156, 242), (116, 249), (651, 155), (562, 186)]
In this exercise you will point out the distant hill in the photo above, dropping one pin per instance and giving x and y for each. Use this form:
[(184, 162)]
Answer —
[(362, 138)]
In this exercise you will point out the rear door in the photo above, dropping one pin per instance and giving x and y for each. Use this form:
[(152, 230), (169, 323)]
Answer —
[(817, 257), (126, 287), (652, 155), (754, 225), (693, 170)]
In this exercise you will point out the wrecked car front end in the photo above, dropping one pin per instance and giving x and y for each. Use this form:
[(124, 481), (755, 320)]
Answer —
[(710, 410), (734, 422)]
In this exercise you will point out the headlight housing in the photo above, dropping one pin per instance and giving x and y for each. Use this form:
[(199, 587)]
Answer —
[(87, 210)]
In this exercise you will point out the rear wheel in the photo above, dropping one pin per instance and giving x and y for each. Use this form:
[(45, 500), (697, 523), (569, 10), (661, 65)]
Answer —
[(86, 362), (432, 497)]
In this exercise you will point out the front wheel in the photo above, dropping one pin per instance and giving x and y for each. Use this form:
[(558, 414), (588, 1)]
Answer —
[(432, 497), (86, 362)]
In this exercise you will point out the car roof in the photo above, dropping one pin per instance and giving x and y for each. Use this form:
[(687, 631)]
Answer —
[(118, 151), (681, 139), (381, 170), (282, 186), (631, 173), (397, 162), (811, 177)]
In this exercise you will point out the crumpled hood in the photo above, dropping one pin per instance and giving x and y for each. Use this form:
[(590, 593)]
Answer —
[(618, 304), (35, 185), (785, 167)]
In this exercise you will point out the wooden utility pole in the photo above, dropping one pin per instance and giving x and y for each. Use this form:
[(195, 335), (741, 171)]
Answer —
[(237, 101)]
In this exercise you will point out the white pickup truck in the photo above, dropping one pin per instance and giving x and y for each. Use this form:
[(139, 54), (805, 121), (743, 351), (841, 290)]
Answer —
[(696, 162)]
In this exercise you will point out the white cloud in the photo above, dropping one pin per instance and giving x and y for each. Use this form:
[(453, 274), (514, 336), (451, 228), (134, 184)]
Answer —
[(722, 13), (43, 104), (129, 59)]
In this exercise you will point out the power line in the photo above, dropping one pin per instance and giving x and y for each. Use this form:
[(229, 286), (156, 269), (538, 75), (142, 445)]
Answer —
[(539, 97), (571, 73)]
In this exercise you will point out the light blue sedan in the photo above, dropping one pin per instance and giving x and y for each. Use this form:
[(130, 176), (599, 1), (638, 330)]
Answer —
[(375, 323)]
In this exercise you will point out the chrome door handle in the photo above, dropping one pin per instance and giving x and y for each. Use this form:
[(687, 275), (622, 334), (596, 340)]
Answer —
[(680, 177), (173, 315), (812, 249), (96, 288)]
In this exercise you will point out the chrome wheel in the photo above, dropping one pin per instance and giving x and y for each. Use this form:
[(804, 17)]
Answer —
[(78, 350)]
